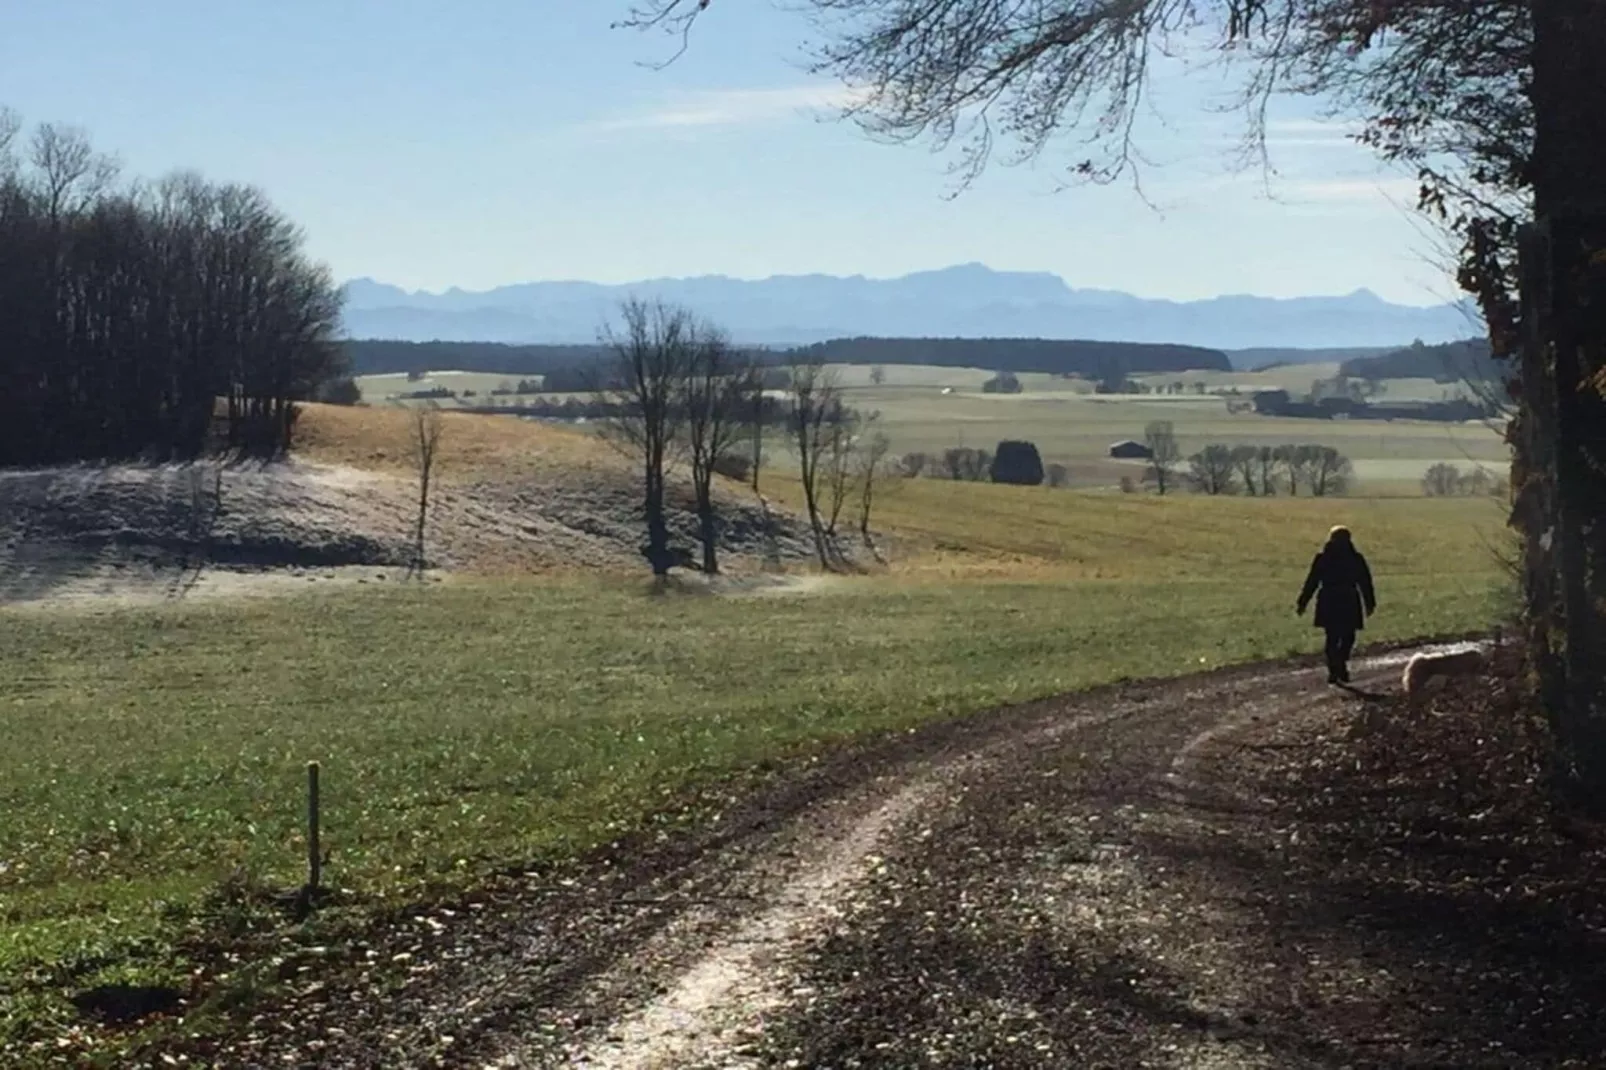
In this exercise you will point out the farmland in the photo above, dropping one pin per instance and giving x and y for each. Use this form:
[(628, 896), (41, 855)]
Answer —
[(931, 409)]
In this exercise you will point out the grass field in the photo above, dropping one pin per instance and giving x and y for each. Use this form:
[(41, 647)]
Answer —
[(1073, 427), (156, 755), (153, 752)]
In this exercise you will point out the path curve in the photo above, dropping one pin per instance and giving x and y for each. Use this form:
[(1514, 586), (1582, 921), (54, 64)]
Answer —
[(1068, 797)]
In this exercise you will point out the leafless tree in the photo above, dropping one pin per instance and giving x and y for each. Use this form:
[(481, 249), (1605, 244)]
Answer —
[(1327, 471), (1211, 470), (1441, 481), (967, 463), (719, 389), (1266, 463), (426, 427), (874, 463), (654, 354), (1293, 461), (841, 467), (1161, 438), (1246, 460), (72, 174), (914, 465), (815, 415)]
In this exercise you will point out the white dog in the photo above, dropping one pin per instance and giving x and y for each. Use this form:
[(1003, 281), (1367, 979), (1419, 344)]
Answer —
[(1425, 667)]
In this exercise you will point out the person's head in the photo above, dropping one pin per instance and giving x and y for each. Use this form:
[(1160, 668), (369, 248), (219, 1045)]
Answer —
[(1339, 538)]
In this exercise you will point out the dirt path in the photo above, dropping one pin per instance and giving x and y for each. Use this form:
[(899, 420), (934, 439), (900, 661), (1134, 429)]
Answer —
[(1117, 879), (889, 925)]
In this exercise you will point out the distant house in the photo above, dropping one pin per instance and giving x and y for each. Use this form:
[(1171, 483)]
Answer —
[(1131, 451)]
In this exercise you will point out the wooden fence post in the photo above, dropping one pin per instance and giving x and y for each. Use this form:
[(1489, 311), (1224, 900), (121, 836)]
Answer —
[(314, 854)]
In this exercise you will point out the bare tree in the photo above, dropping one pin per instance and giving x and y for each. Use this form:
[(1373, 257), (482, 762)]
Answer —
[(1161, 438), (1266, 462), (1441, 481), (1246, 459), (914, 465), (1293, 460), (841, 467), (1327, 471), (719, 387), (815, 413), (426, 428), (967, 463), (653, 358), (874, 463), (72, 173), (1211, 470)]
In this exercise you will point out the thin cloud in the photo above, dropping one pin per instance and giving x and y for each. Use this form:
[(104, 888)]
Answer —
[(732, 107), (1349, 190)]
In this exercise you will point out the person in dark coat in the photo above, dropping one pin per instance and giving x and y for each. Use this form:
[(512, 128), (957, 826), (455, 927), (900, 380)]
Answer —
[(1341, 583)]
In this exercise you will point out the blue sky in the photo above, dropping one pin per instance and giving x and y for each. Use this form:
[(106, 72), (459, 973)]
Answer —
[(481, 142)]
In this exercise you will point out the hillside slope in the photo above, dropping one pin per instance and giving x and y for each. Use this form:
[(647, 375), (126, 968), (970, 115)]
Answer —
[(512, 496)]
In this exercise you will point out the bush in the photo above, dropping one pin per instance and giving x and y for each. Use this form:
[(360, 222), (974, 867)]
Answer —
[(1442, 480), (913, 465), (1002, 383), (735, 466), (1128, 485), (1057, 475), (965, 463), (342, 391), (1018, 463)]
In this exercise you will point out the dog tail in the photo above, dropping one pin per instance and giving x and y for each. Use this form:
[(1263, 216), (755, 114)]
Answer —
[(1411, 682)]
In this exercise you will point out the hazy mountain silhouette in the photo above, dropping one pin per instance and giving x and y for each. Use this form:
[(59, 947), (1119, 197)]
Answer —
[(969, 301)]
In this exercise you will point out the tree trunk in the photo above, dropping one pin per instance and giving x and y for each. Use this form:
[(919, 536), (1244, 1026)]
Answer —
[(657, 525), (423, 513), (708, 529), (1569, 179)]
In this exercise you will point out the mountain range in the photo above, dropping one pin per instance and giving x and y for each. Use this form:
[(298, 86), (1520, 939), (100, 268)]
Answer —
[(965, 301)]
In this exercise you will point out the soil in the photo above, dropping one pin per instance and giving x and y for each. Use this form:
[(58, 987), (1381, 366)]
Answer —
[(1239, 869)]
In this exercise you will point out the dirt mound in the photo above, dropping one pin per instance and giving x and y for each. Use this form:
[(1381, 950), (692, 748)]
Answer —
[(170, 530)]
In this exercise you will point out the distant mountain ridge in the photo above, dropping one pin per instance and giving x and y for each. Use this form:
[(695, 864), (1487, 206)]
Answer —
[(966, 301)]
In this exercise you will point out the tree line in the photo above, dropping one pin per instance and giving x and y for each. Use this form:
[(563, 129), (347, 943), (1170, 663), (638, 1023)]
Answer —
[(138, 313), (570, 363), (1268, 471)]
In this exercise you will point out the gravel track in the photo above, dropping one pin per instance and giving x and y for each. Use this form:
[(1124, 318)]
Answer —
[(912, 919)]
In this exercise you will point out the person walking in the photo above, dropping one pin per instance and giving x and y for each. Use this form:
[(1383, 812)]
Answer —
[(1341, 583)]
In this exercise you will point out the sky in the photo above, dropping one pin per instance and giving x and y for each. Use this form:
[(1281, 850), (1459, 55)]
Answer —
[(477, 143)]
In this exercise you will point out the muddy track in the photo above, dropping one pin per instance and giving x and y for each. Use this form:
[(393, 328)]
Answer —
[(1033, 886)]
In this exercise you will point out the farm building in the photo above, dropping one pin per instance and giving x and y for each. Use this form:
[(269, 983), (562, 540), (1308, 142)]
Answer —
[(1130, 450)]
